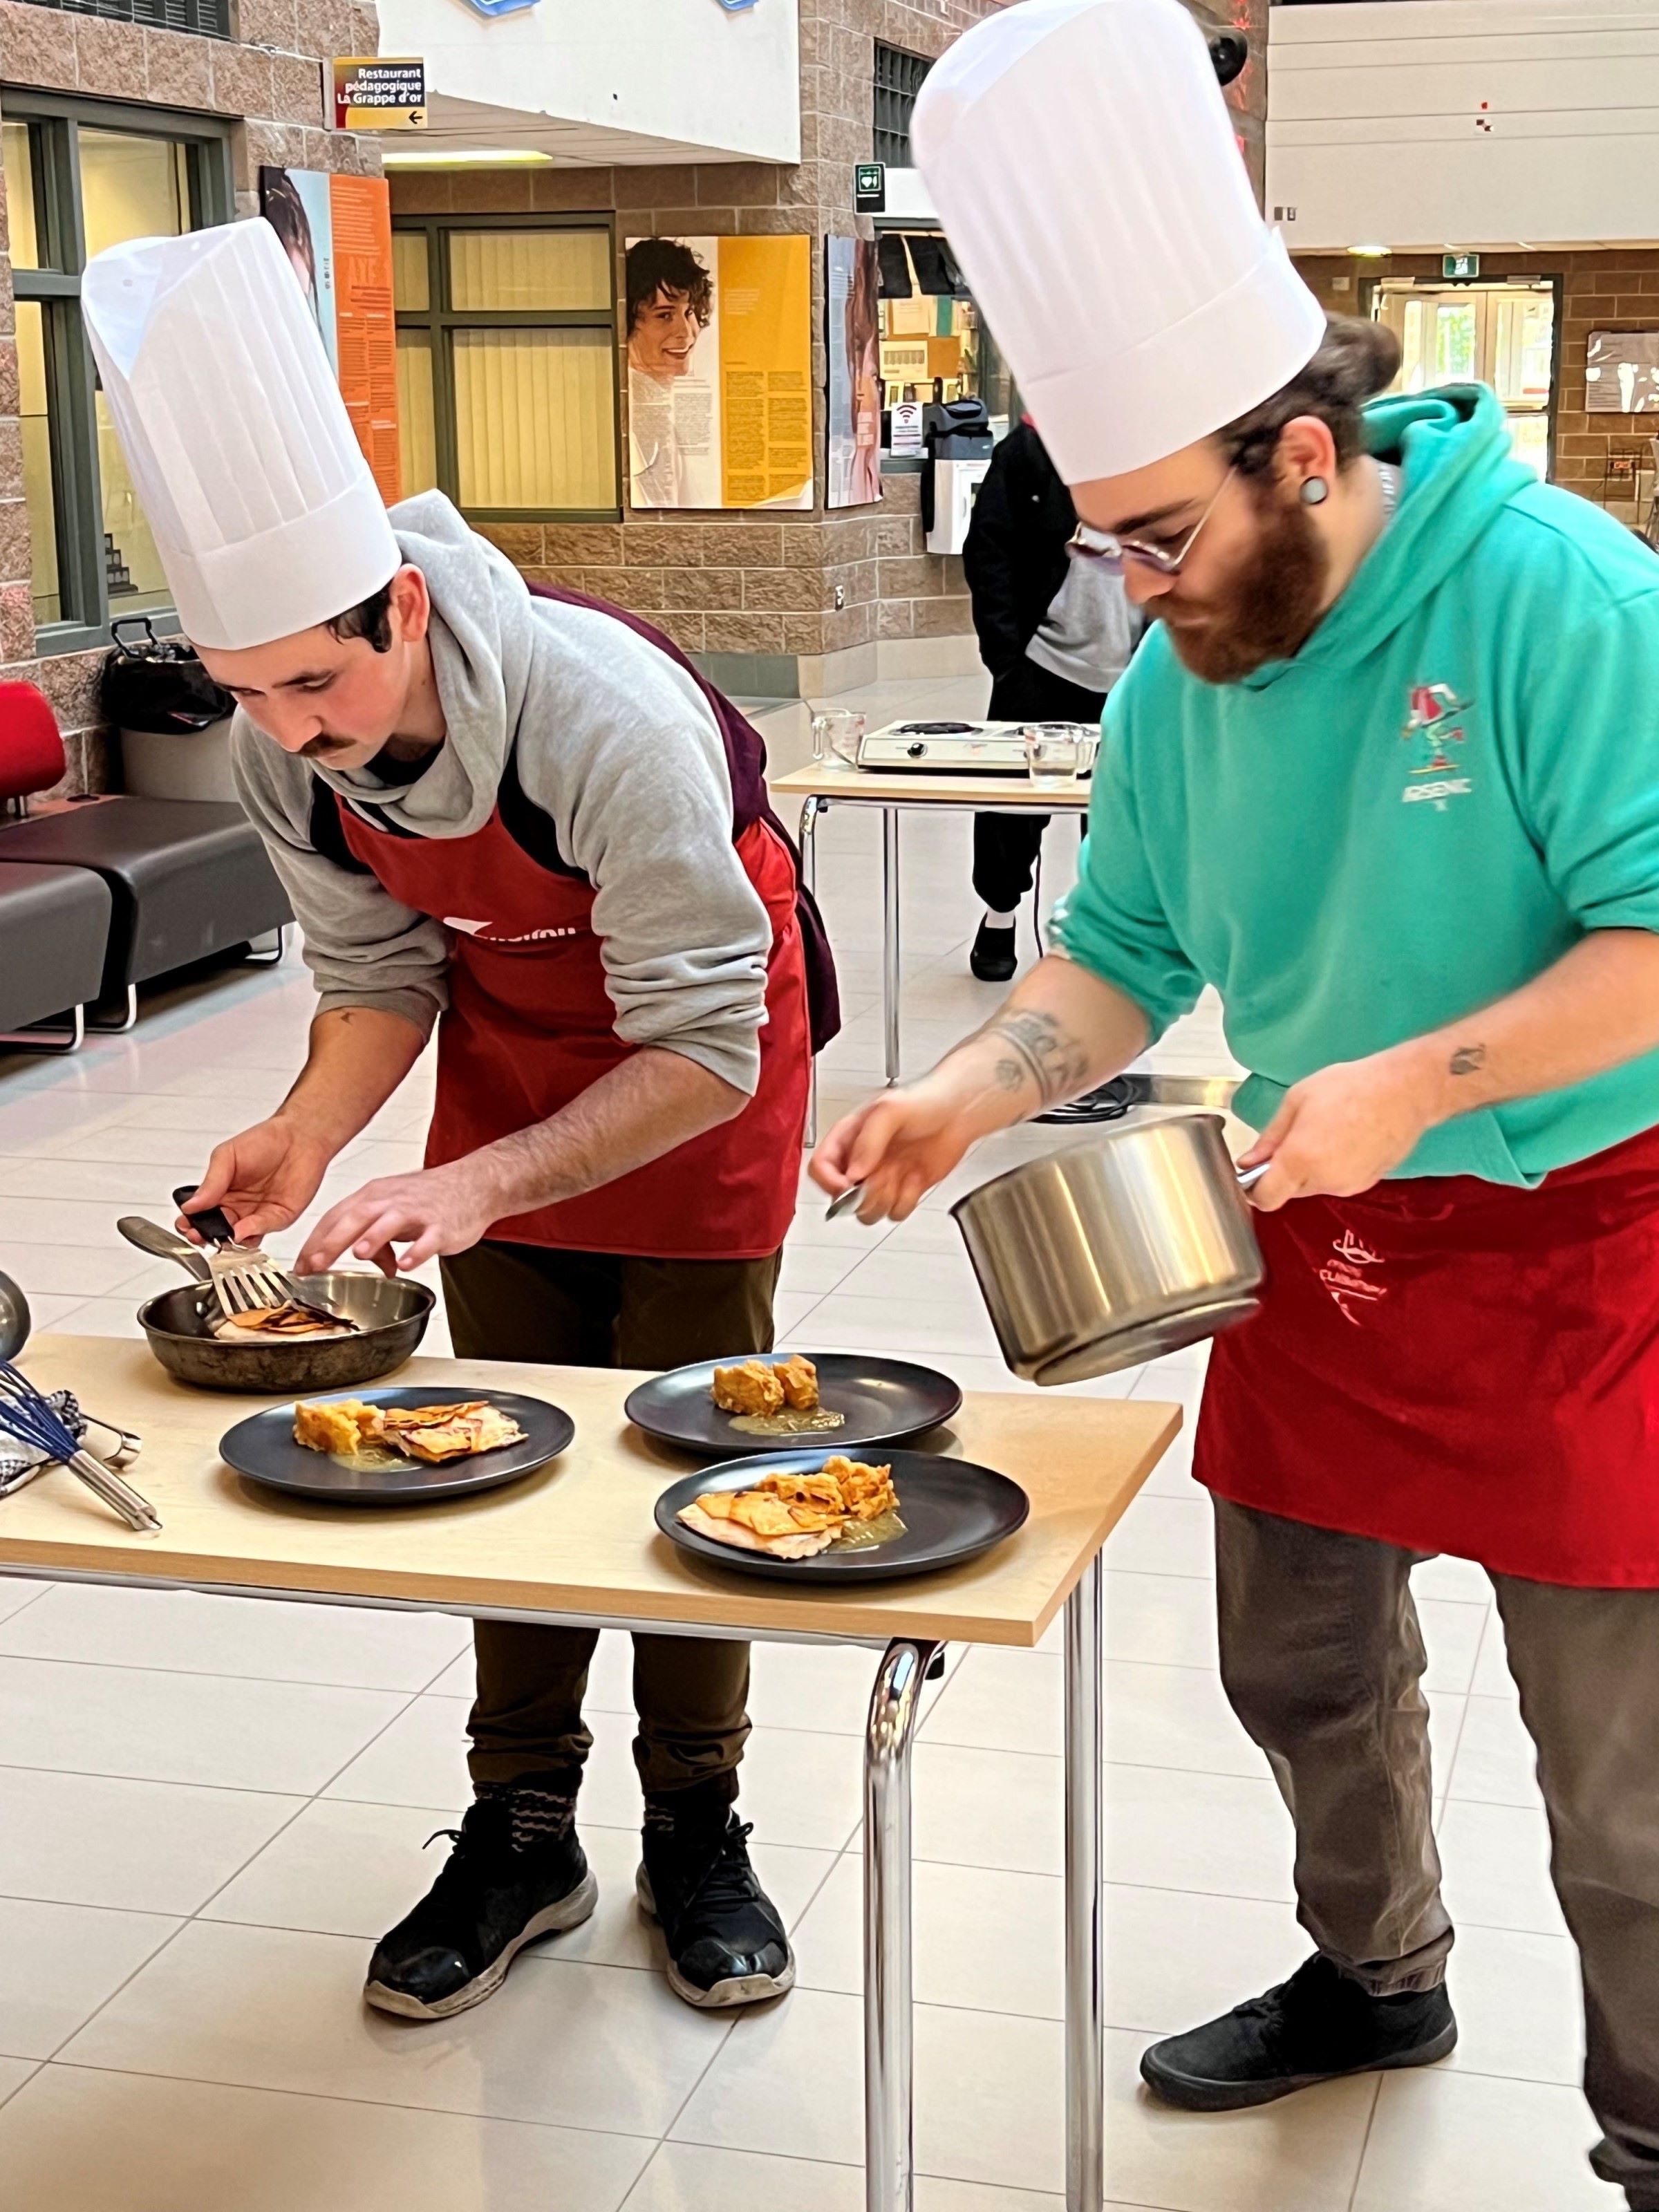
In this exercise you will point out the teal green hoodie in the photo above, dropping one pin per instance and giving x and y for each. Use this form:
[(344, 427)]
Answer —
[(1455, 779)]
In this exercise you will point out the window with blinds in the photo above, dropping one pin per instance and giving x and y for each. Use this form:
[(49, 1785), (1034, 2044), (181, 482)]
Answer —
[(80, 176), (898, 78), (506, 364), (211, 18)]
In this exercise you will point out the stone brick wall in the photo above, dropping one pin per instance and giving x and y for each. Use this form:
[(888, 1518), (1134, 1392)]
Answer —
[(269, 81), (756, 585), (807, 586), (1614, 290)]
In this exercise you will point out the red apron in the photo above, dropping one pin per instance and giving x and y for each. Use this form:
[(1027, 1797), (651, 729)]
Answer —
[(530, 1025), (1455, 1365)]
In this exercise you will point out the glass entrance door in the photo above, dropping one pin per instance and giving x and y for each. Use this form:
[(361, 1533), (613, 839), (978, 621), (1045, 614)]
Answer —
[(1503, 335)]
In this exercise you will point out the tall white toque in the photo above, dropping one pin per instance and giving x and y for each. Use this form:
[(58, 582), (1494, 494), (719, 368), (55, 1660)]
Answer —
[(1082, 160), (264, 511)]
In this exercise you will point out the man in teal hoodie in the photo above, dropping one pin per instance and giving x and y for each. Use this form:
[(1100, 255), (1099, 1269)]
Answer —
[(1385, 776)]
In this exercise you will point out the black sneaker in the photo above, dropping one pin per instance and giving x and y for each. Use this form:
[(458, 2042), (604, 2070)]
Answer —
[(993, 959), (454, 1948), (1315, 2028), (727, 1945)]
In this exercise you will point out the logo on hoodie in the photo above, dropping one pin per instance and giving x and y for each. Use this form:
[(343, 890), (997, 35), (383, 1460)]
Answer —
[(1434, 730)]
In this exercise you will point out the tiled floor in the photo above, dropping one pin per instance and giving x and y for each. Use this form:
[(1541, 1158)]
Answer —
[(209, 1807)]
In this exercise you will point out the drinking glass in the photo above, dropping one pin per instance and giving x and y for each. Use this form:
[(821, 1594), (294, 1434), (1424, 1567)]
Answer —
[(1052, 753)]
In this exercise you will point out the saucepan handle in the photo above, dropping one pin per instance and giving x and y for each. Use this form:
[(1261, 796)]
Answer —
[(1248, 1180)]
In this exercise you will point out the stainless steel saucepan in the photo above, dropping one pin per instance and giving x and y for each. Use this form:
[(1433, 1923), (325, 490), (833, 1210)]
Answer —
[(1114, 1251)]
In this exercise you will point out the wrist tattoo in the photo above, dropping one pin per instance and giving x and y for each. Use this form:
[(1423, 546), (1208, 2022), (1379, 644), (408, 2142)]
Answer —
[(1468, 1060), (1040, 1050)]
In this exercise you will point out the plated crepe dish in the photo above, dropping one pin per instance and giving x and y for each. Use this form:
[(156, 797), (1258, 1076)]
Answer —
[(796, 1514), (347, 1428), (295, 1319), (773, 1398)]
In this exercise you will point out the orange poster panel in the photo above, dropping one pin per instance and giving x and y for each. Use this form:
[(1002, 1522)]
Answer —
[(765, 301), (366, 322)]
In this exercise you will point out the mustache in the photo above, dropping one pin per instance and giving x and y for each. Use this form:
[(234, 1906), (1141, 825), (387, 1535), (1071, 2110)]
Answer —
[(321, 748)]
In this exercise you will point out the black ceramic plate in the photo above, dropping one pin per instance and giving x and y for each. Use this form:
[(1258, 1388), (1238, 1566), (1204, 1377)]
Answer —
[(262, 1448), (951, 1510), (884, 1401)]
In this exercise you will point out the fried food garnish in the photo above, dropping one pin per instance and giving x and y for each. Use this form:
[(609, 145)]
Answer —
[(799, 1379), (440, 1432), (424, 1432), (343, 1425), (791, 1502), (751, 1388)]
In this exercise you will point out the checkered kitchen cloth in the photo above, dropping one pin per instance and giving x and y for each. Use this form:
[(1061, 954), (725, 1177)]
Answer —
[(18, 1460)]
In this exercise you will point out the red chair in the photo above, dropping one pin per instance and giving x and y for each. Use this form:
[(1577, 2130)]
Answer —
[(54, 921), (185, 879)]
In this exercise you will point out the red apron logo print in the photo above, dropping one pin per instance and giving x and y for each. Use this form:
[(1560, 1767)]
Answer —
[(491, 935), (1431, 730), (1343, 1275)]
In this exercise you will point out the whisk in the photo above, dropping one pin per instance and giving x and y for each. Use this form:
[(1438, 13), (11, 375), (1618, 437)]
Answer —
[(27, 1415)]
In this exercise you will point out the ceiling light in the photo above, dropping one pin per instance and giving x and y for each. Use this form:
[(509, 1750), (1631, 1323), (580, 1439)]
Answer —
[(445, 157), (1370, 253)]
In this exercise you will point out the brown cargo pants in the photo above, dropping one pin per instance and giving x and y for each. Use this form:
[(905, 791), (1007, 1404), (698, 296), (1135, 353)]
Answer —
[(1322, 1656), (597, 1309)]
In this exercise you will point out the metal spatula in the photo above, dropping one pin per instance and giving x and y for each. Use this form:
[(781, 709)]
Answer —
[(244, 1278)]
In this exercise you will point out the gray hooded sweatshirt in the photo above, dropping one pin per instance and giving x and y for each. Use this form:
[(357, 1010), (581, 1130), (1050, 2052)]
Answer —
[(614, 743)]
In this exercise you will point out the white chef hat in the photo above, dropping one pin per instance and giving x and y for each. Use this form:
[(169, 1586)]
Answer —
[(263, 508), (1082, 162)]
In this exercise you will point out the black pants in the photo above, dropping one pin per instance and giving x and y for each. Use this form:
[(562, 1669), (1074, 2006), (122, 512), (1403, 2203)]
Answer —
[(597, 1309), (1006, 846)]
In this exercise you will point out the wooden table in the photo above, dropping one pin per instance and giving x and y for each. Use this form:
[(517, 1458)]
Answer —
[(822, 784), (575, 1544)]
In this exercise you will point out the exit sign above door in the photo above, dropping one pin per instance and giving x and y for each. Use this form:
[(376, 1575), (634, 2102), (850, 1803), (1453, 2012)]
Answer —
[(1457, 266)]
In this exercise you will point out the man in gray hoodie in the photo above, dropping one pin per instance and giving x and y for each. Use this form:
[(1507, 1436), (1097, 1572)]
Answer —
[(526, 822)]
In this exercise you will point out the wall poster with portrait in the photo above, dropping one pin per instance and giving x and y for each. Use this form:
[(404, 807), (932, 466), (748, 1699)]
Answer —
[(719, 371), (852, 337)]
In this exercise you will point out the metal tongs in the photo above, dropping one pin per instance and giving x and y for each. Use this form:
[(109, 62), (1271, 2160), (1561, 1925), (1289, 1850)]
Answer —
[(26, 1414)]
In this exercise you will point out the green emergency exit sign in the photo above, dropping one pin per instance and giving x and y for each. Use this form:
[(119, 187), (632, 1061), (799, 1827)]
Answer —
[(1455, 267)]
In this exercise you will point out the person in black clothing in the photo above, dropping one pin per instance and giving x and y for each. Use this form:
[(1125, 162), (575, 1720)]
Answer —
[(1055, 634)]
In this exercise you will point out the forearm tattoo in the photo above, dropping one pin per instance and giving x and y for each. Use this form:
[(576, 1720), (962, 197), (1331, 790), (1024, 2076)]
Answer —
[(1038, 1050), (1468, 1060)]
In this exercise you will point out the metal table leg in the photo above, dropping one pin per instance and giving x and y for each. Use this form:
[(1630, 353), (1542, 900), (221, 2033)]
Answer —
[(895, 1705), (892, 970), (1085, 1953), (809, 875)]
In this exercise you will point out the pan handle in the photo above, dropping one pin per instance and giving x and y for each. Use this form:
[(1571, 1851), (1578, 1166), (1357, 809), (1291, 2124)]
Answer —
[(164, 1245), (1248, 1180)]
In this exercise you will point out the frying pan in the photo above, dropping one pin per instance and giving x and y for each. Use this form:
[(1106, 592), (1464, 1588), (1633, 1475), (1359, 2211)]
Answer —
[(391, 1315)]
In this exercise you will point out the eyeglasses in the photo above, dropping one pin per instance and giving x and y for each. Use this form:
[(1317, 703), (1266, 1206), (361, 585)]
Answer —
[(1105, 550)]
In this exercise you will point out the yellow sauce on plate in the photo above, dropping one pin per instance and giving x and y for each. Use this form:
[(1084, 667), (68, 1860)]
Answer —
[(370, 1459), (788, 1423), (870, 1535)]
